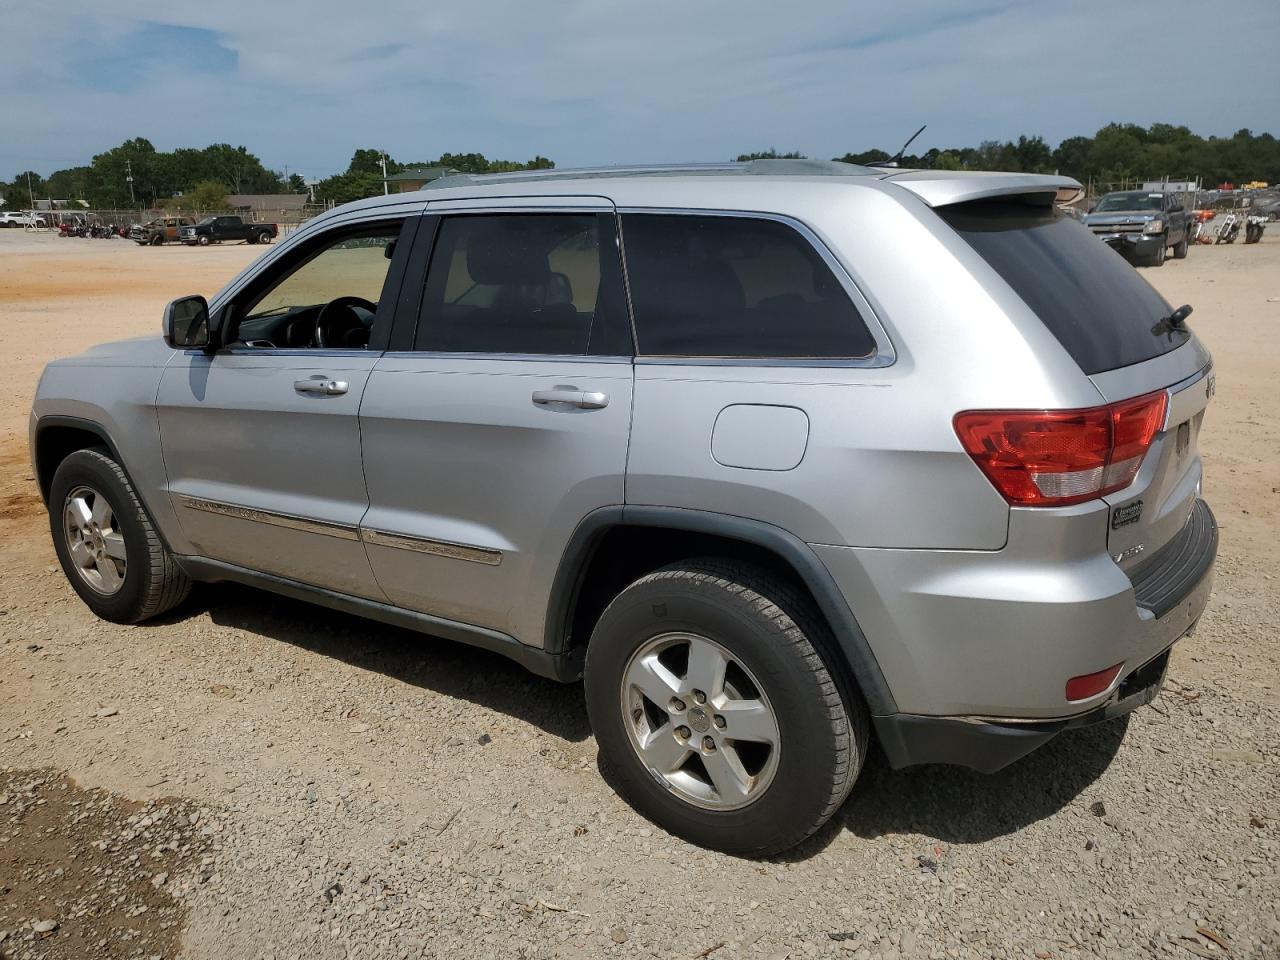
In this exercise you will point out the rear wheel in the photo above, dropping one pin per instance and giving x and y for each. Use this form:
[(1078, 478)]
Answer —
[(715, 710), (108, 548)]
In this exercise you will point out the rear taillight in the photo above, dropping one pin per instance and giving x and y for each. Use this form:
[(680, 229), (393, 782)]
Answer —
[(1051, 458)]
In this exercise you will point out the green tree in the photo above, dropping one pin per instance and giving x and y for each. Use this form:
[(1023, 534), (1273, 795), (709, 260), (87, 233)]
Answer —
[(369, 160), (771, 154)]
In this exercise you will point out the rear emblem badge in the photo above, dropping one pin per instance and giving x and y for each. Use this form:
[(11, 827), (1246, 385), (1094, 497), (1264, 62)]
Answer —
[(1129, 513), (1130, 552)]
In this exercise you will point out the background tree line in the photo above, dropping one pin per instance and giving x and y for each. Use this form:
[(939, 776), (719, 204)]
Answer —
[(205, 176), (1117, 152)]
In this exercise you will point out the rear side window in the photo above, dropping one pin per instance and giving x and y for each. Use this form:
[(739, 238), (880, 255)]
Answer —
[(720, 286), (1101, 311), (547, 284)]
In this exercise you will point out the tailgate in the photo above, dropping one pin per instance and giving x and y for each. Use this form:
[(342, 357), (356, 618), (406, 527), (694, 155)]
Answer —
[(1151, 511)]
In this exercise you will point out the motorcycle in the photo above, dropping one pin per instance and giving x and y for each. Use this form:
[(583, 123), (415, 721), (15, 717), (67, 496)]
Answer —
[(1229, 229), (1253, 229)]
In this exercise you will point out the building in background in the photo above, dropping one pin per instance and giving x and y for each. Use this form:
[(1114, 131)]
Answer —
[(415, 178), (268, 206)]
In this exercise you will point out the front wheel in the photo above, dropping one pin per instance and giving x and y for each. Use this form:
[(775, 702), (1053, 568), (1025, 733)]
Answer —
[(203, 240), (1180, 248), (1157, 256), (106, 543), (715, 703)]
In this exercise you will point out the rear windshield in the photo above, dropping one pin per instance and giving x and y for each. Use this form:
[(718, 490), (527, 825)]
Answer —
[(1099, 307)]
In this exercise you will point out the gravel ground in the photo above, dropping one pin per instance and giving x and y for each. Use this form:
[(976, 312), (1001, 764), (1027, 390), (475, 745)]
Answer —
[(381, 794)]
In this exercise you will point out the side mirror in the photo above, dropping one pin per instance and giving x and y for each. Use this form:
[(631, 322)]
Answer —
[(186, 323)]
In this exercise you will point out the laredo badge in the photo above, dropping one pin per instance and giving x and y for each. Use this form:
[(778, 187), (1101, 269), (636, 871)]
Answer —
[(1129, 513)]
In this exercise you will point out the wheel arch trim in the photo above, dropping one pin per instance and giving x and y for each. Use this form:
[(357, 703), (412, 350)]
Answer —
[(42, 427), (581, 550)]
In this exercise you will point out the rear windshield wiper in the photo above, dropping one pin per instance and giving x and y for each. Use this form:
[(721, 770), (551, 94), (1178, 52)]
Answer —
[(1174, 321)]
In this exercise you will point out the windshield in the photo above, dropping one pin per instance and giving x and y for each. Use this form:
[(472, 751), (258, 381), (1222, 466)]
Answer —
[(207, 220), (1130, 201)]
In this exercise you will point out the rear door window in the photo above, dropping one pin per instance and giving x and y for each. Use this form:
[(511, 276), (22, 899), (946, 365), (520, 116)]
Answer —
[(1097, 306), (731, 286)]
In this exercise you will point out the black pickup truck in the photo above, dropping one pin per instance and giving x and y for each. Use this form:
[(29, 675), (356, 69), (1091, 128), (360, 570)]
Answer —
[(1142, 225), (217, 229)]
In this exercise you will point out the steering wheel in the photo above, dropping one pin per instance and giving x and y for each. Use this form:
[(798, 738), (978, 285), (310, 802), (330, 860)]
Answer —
[(337, 317)]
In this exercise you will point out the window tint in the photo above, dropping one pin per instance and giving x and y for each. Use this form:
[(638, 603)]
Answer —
[(717, 286), (527, 284), (1098, 307)]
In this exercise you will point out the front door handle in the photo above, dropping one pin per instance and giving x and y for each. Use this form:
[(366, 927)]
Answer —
[(319, 386), (572, 397)]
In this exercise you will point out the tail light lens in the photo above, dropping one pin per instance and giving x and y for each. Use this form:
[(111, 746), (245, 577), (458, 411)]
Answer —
[(1052, 458)]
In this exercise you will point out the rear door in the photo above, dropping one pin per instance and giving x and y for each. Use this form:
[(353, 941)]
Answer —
[(500, 417)]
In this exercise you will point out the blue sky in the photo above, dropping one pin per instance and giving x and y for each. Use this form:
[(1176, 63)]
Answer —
[(595, 81)]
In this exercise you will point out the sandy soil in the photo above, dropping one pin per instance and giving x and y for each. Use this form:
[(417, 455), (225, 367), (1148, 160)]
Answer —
[(386, 795)]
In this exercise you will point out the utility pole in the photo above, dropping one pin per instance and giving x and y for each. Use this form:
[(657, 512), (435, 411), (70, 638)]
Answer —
[(128, 175), (30, 192), (385, 191)]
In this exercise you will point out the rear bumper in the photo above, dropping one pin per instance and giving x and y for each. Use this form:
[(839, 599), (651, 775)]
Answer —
[(976, 647), (991, 745)]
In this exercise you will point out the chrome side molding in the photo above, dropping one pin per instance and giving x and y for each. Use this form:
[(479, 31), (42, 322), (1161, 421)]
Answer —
[(437, 548), (287, 520), (326, 528)]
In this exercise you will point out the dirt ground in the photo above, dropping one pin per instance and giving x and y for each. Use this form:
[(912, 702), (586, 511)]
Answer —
[(334, 788)]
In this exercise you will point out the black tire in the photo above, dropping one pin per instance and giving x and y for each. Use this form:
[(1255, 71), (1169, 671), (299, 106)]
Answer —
[(1157, 259), (157, 240), (773, 632), (152, 582), (253, 238), (264, 237), (1180, 248), (203, 239)]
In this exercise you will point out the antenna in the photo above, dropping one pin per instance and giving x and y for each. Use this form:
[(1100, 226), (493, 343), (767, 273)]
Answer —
[(897, 157)]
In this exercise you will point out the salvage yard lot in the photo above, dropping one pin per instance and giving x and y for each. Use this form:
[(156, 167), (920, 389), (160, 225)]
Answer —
[(345, 789)]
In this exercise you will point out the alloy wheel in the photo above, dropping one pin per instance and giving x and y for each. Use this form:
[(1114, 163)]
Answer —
[(699, 721), (94, 542)]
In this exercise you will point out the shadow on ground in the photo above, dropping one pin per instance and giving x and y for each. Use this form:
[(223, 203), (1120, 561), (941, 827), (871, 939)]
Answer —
[(442, 666), (950, 804), (959, 806)]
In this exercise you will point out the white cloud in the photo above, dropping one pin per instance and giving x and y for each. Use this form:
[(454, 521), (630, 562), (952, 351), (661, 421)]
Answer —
[(602, 82)]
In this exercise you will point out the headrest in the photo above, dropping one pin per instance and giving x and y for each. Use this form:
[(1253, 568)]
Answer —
[(501, 255)]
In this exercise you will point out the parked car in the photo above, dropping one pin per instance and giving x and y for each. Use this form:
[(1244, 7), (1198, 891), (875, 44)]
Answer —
[(853, 453), (218, 229), (160, 230), (12, 218), (1141, 225)]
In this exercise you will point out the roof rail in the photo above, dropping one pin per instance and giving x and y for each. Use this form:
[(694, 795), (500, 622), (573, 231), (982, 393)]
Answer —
[(748, 168)]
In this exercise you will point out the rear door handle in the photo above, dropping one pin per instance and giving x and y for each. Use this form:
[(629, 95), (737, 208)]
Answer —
[(318, 386), (572, 397)]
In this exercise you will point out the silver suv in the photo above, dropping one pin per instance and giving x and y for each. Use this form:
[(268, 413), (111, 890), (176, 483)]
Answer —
[(780, 458)]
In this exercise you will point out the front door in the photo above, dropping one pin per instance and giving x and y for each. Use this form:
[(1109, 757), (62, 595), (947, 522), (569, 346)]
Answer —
[(261, 438), (505, 419)]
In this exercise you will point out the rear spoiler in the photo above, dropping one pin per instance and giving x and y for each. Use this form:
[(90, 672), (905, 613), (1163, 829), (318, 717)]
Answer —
[(940, 188)]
